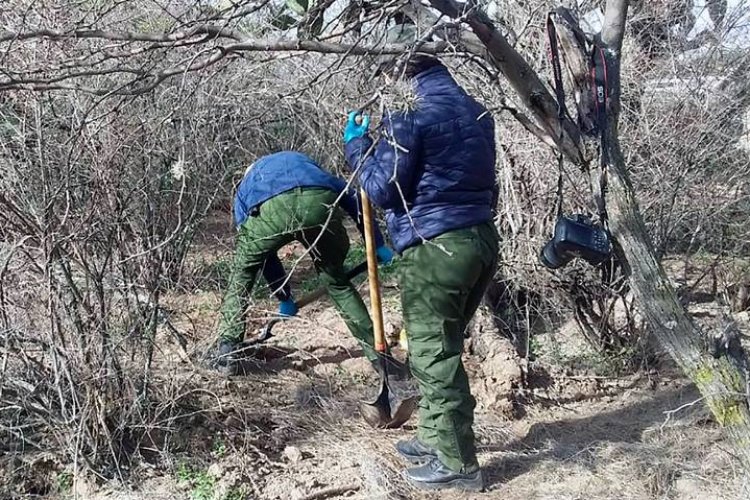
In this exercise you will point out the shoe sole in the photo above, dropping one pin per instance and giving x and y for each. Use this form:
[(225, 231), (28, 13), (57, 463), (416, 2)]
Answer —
[(474, 485)]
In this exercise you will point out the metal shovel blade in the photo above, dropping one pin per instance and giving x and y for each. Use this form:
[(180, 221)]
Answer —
[(264, 334), (377, 413), (401, 412), (387, 411)]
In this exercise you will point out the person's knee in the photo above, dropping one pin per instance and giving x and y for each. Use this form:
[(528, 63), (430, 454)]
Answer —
[(338, 285), (435, 347), (424, 355)]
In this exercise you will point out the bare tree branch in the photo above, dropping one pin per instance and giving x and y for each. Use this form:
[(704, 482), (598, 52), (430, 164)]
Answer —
[(145, 81), (521, 76), (126, 36)]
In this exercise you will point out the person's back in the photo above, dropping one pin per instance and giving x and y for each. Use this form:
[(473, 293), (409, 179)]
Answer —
[(442, 177), (278, 173), (457, 154), (287, 197)]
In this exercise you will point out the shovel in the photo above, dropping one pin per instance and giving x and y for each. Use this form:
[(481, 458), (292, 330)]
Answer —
[(305, 300), (389, 409)]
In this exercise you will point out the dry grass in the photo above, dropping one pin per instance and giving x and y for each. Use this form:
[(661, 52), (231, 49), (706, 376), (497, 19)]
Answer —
[(614, 442)]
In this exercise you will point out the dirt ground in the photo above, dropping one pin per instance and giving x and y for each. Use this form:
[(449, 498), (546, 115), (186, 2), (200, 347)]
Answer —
[(289, 428)]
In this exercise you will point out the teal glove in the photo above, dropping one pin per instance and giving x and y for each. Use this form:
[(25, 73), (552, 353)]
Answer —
[(385, 255), (288, 308), (354, 129)]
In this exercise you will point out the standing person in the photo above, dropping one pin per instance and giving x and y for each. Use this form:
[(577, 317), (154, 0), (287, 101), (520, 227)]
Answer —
[(284, 197), (433, 171)]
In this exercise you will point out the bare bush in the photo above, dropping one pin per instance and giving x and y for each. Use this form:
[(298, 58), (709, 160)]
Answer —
[(122, 124)]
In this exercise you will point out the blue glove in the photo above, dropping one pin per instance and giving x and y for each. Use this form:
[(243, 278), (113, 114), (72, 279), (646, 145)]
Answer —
[(288, 308), (385, 255), (354, 129)]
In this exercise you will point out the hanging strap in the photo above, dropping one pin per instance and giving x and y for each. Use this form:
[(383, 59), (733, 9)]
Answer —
[(600, 87), (559, 201), (562, 111), (554, 55)]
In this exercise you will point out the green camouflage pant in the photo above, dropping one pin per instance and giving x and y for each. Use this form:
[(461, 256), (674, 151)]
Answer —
[(443, 282), (299, 214)]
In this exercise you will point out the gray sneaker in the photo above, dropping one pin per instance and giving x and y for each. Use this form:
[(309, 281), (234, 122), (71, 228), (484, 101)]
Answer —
[(414, 451), (436, 476)]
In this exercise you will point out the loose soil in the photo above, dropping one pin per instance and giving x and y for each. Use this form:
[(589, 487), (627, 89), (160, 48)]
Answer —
[(289, 427)]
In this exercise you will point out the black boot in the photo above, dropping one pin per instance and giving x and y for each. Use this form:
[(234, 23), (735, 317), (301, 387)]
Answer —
[(436, 476), (226, 357), (414, 451)]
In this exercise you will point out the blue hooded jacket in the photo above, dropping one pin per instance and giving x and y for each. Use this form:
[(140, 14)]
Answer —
[(433, 170), (278, 173)]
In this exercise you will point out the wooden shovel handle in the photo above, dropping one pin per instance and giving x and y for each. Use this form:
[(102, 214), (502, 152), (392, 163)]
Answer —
[(372, 273)]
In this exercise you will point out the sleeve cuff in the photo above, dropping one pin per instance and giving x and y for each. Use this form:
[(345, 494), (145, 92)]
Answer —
[(355, 150)]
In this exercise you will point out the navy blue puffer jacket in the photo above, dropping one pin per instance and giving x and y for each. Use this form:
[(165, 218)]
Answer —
[(433, 169)]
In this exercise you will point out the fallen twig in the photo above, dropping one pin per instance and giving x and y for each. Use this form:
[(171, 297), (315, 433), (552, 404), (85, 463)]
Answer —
[(329, 492)]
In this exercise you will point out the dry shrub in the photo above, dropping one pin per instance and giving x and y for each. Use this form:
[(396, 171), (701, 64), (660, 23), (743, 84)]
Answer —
[(101, 196)]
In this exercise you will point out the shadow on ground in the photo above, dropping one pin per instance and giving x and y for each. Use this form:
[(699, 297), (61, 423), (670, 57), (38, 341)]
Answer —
[(564, 440)]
